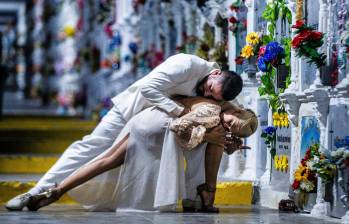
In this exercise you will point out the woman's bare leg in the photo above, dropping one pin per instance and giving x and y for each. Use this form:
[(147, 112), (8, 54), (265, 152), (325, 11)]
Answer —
[(109, 161), (213, 156), (114, 158)]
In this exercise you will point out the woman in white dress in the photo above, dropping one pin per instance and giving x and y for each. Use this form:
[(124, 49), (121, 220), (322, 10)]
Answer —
[(146, 163)]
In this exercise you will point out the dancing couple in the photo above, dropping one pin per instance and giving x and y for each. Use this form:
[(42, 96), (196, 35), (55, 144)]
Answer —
[(161, 142)]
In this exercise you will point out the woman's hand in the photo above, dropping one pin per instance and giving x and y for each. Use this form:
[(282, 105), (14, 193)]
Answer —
[(216, 136), (233, 144)]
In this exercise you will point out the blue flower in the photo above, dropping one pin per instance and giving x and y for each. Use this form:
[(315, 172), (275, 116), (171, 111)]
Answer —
[(269, 130), (263, 65), (133, 47), (272, 51)]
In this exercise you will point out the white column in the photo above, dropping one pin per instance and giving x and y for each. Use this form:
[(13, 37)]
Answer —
[(322, 101), (293, 87), (323, 27)]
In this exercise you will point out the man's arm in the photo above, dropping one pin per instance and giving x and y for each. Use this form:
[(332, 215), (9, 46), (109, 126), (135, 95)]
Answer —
[(173, 72)]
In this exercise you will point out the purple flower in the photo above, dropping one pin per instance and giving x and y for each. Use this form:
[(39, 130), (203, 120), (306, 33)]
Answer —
[(269, 130), (263, 65)]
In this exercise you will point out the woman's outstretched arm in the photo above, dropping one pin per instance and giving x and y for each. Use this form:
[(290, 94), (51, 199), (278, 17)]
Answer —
[(111, 160)]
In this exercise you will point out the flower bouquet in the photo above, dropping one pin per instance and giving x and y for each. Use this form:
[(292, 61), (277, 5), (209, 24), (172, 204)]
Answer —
[(307, 41), (305, 181), (250, 51), (304, 176)]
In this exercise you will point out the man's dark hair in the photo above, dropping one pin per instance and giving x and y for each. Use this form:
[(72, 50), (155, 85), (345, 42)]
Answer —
[(232, 85)]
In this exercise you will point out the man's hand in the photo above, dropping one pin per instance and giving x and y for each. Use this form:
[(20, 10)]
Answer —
[(216, 136)]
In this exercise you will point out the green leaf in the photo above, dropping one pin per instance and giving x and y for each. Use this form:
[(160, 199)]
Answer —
[(271, 29)]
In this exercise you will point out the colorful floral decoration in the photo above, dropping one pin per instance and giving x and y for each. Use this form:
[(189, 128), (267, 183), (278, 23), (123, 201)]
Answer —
[(304, 178), (340, 157), (306, 43), (317, 164), (251, 48), (273, 53), (270, 55)]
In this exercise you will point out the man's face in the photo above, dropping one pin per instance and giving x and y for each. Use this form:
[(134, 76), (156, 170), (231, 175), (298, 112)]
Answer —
[(211, 87)]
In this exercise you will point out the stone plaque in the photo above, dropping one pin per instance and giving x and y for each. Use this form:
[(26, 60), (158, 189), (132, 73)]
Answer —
[(280, 163)]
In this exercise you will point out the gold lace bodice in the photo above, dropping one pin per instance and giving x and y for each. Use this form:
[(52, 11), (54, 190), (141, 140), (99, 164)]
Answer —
[(190, 129)]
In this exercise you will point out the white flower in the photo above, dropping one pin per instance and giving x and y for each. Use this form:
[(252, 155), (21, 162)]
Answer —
[(333, 154), (310, 164), (316, 159), (307, 186), (346, 154)]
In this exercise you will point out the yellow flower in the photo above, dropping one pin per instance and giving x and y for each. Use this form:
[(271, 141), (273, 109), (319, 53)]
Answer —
[(284, 163), (278, 123), (276, 116), (252, 38), (282, 123), (301, 173), (276, 162), (247, 51), (69, 30), (275, 123)]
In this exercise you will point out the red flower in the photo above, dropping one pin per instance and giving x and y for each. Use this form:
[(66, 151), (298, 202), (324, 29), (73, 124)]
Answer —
[(233, 20), (239, 60), (295, 185), (261, 51), (299, 24), (304, 162), (308, 153), (296, 42), (314, 35)]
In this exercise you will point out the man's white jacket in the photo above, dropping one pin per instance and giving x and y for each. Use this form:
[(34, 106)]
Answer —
[(178, 75)]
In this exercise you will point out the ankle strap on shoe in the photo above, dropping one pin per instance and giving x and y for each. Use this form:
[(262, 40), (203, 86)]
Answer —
[(206, 187)]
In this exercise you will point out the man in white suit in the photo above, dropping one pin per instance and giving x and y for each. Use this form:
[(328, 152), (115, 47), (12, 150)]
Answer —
[(181, 74)]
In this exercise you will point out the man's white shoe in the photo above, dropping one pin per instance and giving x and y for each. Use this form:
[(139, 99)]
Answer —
[(18, 203)]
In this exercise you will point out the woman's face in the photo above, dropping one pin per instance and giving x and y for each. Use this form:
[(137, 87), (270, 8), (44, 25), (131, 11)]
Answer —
[(231, 120)]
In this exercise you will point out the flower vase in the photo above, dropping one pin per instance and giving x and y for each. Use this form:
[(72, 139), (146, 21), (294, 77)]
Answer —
[(250, 66), (282, 73), (325, 75), (305, 201)]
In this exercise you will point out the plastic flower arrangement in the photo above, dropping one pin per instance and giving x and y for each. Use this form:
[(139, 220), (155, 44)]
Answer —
[(307, 41), (304, 177), (340, 157), (281, 163), (270, 55), (253, 41), (280, 119), (269, 136)]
